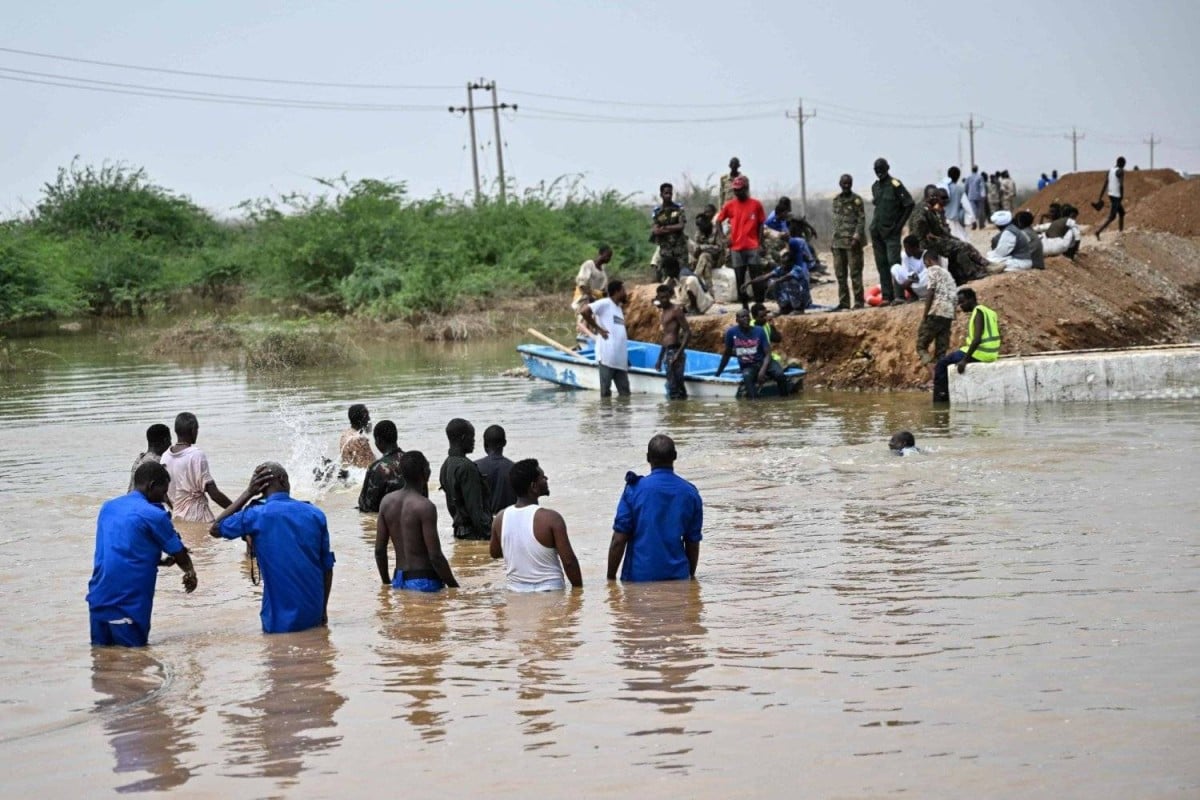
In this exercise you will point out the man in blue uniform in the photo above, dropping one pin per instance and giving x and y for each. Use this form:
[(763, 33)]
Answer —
[(657, 530), (290, 538), (132, 533)]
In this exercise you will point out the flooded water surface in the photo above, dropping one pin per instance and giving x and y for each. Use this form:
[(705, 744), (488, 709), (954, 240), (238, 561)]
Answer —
[(1010, 614)]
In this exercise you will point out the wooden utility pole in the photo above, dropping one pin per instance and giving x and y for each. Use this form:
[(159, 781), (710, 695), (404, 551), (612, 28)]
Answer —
[(469, 110), (1075, 138), (801, 118), (970, 128), (1152, 141)]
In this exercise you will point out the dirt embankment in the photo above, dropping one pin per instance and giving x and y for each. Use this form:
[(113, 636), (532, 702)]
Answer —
[(1172, 209), (1081, 189), (1141, 288)]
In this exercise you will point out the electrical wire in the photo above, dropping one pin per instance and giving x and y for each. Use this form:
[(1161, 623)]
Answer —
[(228, 77)]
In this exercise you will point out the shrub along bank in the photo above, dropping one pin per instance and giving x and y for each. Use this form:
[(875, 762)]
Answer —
[(107, 240)]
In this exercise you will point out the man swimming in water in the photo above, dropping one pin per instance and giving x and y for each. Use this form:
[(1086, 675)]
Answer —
[(408, 520), (903, 443), (354, 448)]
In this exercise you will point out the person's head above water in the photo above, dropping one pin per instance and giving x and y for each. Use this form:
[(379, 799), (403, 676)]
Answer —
[(528, 480), (187, 428), (901, 440), (461, 435), (414, 468), (276, 477), (660, 452), (158, 438), (387, 438), (152, 480), (494, 439), (360, 417)]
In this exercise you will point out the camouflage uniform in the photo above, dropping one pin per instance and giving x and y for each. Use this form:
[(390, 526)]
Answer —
[(965, 262), (671, 244), (707, 252), (382, 478), (849, 220)]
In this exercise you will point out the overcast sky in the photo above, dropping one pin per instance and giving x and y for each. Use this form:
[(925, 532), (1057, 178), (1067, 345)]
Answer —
[(872, 71)]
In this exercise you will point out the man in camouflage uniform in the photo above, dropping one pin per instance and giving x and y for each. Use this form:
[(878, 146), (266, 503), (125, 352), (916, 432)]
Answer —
[(930, 227), (893, 205), (669, 222), (849, 236), (708, 247), (735, 167)]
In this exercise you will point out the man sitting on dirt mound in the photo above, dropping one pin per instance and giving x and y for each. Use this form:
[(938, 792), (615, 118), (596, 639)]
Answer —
[(933, 233), (1012, 249), (1061, 235)]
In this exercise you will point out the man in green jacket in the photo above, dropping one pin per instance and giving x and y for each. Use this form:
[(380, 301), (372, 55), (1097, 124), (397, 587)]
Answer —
[(893, 205)]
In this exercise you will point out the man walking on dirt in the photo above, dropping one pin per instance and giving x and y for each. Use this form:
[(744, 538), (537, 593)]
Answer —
[(675, 336), (1114, 184), (977, 196), (893, 205), (849, 237)]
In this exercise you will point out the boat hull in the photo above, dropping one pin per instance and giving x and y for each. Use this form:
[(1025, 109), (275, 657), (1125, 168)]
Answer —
[(580, 371)]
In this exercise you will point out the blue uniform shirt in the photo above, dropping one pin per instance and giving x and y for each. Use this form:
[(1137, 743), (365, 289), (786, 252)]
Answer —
[(291, 541), (658, 512), (131, 535)]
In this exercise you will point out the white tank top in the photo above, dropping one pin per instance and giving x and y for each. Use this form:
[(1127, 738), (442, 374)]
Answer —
[(529, 565)]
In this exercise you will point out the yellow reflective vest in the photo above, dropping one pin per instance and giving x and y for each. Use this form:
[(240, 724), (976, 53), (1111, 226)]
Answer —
[(989, 345)]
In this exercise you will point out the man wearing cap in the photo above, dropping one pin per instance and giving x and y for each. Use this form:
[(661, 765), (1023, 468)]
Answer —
[(746, 218), (893, 205), (1013, 249)]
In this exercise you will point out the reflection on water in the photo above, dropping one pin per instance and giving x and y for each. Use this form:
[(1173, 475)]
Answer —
[(1009, 614), (292, 717), (145, 733)]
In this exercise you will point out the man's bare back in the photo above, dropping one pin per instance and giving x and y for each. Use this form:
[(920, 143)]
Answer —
[(408, 519)]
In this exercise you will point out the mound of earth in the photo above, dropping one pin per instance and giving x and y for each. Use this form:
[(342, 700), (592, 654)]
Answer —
[(1081, 189), (1172, 209), (1141, 288)]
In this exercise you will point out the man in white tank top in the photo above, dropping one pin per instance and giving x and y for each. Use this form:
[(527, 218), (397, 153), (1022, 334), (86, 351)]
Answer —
[(533, 540)]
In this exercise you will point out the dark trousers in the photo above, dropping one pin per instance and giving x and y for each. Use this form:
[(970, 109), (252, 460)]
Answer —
[(1116, 210), (777, 373), (848, 268), (887, 253), (609, 376), (676, 390), (937, 330), (941, 375)]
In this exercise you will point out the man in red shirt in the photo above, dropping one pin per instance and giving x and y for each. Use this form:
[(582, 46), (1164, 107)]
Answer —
[(746, 218)]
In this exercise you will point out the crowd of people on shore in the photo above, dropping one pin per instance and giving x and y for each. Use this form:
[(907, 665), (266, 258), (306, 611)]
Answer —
[(656, 530), (773, 255)]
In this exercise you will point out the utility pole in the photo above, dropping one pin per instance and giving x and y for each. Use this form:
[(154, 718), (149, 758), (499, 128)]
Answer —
[(1075, 138), (1152, 141), (469, 110), (970, 128), (801, 118)]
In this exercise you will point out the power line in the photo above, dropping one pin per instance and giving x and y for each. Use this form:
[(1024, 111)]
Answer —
[(190, 94), (633, 104), (1152, 141), (223, 76)]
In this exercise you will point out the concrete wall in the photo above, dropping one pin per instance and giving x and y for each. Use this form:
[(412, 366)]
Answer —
[(1136, 374)]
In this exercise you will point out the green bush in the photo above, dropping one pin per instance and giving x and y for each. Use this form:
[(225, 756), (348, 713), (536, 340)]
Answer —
[(106, 240)]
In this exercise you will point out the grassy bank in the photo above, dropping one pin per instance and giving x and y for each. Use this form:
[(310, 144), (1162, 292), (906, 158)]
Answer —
[(107, 240)]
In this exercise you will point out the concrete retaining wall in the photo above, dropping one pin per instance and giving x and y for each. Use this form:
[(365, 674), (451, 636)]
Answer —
[(1171, 372)]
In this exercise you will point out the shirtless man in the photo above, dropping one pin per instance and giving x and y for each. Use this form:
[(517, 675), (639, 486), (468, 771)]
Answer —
[(408, 520), (675, 336)]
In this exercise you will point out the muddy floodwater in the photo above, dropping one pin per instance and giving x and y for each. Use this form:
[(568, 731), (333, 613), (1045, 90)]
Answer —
[(1012, 613)]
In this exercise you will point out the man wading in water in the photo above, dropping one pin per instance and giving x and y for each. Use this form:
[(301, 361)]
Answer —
[(408, 520), (675, 336)]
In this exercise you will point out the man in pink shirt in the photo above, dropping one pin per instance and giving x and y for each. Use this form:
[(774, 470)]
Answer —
[(746, 218), (190, 479)]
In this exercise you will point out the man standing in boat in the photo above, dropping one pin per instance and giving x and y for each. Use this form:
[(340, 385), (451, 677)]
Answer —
[(675, 336), (606, 318)]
